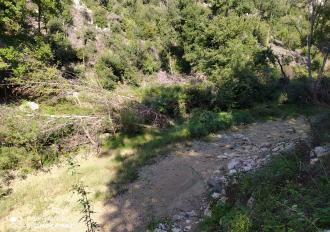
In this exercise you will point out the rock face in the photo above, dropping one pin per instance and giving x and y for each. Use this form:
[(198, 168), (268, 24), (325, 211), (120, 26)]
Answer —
[(180, 186)]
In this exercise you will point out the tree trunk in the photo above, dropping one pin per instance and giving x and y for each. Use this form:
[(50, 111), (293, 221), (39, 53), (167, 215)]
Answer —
[(39, 18), (321, 70), (309, 48), (281, 67), (310, 40)]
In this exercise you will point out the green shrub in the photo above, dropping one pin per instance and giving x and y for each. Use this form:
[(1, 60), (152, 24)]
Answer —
[(113, 69), (89, 35), (150, 65), (62, 49), (203, 122), (131, 123), (166, 100), (202, 96), (55, 25), (321, 128), (241, 90), (298, 91), (100, 16), (10, 157)]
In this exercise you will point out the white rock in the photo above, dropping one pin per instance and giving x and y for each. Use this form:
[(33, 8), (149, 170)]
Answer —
[(187, 228), (265, 145), (215, 195), (314, 161), (75, 94), (177, 217), (238, 136), (232, 171), (321, 150), (232, 164), (207, 212), (29, 106), (159, 230), (191, 213), (161, 226), (247, 167), (250, 202), (13, 219), (175, 229), (223, 199)]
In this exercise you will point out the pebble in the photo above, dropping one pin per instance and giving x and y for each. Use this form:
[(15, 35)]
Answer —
[(232, 164), (187, 228), (222, 157), (177, 217), (13, 219), (233, 171), (175, 229), (321, 150), (314, 161), (265, 145), (229, 146), (215, 195), (191, 213), (207, 212), (215, 184)]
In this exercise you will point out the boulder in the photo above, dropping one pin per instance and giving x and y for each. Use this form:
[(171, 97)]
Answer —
[(320, 151), (29, 106), (216, 184)]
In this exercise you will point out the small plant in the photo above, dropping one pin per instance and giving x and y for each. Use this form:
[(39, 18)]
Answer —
[(83, 200), (87, 211)]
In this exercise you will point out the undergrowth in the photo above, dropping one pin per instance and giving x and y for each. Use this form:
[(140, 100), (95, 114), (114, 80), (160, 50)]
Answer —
[(288, 194)]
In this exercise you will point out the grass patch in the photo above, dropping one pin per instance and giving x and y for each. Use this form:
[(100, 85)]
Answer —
[(288, 195), (153, 142), (66, 107)]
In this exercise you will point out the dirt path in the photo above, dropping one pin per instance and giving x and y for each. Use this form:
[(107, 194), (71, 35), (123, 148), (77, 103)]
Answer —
[(178, 186)]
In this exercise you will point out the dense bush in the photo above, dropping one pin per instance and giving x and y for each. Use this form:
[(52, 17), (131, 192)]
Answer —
[(100, 16), (130, 121), (112, 69), (202, 96), (242, 91), (298, 91), (55, 25), (167, 100), (31, 143), (203, 122)]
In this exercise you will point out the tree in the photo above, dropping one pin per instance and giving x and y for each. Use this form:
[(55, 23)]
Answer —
[(317, 20), (46, 9), (318, 36), (11, 15)]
